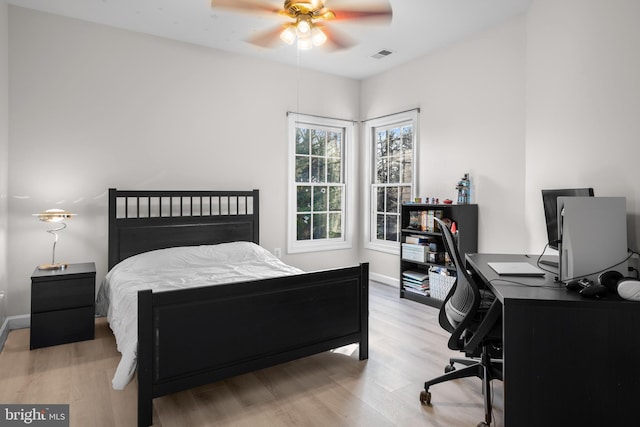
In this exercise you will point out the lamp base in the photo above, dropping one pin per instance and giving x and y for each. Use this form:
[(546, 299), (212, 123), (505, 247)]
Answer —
[(56, 266)]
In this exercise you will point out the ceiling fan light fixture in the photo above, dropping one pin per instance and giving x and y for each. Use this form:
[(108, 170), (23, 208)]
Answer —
[(288, 35), (303, 27), (318, 37)]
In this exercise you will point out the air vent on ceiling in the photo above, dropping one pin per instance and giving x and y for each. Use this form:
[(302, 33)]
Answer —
[(381, 54)]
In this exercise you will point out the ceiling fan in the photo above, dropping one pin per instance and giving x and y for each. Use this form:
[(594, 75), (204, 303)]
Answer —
[(307, 21)]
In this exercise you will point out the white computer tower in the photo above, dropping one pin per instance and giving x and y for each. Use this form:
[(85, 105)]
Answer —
[(593, 236)]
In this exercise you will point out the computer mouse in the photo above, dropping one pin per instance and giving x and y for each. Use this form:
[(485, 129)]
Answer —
[(578, 284)]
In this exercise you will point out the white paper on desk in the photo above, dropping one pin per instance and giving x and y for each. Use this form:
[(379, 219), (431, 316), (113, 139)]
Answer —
[(515, 269)]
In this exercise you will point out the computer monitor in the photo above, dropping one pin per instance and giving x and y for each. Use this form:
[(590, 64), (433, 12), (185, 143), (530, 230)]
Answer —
[(550, 203)]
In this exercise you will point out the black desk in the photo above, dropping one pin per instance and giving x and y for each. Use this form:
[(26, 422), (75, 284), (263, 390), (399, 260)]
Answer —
[(568, 360)]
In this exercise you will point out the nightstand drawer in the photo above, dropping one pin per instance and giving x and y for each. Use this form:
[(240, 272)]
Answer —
[(61, 327), (62, 294)]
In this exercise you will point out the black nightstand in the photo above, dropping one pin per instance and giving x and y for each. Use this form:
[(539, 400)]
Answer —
[(63, 305)]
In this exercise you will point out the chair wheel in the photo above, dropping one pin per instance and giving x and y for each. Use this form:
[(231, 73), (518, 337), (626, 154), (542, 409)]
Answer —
[(449, 368), (425, 397)]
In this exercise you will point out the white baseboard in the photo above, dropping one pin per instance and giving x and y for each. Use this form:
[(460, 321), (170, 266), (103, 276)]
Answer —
[(11, 323), (385, 280)]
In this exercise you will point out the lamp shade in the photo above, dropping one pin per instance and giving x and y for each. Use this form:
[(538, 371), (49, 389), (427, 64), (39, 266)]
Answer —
[(54, 215)]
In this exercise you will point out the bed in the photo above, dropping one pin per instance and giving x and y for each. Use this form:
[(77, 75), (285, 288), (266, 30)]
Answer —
[(190, 336)]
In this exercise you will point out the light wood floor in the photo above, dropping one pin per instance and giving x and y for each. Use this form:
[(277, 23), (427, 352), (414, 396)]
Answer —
[(331, 389)]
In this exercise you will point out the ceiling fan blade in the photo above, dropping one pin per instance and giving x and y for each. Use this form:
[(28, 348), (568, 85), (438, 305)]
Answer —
[(244, 6), (267, 38), (382, 13), (336, 40)]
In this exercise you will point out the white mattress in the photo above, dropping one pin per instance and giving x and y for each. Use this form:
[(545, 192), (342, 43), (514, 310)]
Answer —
[(174, 268)]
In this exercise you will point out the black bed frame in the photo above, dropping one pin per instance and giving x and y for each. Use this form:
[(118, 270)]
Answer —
[(191, 337)]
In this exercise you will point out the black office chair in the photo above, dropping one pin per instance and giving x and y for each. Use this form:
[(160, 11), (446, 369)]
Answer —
[(473, 317)]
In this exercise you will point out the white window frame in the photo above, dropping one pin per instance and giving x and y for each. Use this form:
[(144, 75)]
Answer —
[(370, 126), (349, 196)]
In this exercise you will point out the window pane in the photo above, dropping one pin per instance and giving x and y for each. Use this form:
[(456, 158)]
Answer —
[(335, 198), (394, 170), (304, 198), (318, 169), (334, 144), (302, 141), (406, 194), (380, 227), (380, 199), (320, 199), (407, 167), (407, 138), (303, 227), (407, 154), (382, 174), (392, 228), (394, 142), (320, 226), (381, 143), (392, 199), (302, 169), (333, 171), (318, 141), (335, 225)]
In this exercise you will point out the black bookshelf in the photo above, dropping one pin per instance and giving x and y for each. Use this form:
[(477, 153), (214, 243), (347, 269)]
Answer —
[(417, 257)]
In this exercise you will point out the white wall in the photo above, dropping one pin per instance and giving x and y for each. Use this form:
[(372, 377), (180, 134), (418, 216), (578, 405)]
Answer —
[(471, 100), (583, 104), (94, 107), (4, 152)]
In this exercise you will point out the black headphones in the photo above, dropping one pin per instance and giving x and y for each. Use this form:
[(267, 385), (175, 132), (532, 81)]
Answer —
[(627, 287)]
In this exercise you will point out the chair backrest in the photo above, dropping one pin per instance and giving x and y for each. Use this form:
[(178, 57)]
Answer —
[(461, 304)]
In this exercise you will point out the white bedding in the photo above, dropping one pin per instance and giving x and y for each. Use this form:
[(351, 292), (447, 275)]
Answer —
[(174, 268)]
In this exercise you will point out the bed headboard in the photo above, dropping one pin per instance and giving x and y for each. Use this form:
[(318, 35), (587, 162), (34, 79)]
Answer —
[(141, 221)]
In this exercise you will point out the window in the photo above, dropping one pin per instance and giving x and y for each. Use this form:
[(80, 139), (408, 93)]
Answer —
[(391, 153), (320, 186)]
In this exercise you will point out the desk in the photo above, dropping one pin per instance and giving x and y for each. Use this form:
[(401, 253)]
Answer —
[(568, 360)]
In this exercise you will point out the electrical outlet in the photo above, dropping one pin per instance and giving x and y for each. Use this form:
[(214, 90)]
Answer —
[(277, 252)]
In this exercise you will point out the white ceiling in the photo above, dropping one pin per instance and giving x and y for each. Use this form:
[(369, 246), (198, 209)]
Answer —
[(418, 27)]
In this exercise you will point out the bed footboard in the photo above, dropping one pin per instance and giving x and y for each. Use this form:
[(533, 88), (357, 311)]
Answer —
[(191, 337)]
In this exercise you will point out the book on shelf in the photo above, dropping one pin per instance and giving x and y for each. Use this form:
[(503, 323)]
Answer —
[(415, 275), (424, 220), (423, 292), (416, 281), (418, 240)]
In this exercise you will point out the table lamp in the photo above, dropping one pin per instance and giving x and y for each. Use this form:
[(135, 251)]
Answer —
[(54, 216)]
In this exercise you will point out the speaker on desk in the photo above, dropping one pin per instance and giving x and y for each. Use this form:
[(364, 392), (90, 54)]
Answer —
[(627, 287)]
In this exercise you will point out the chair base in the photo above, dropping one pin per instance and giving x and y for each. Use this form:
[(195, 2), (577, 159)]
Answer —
[(485, 368)]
